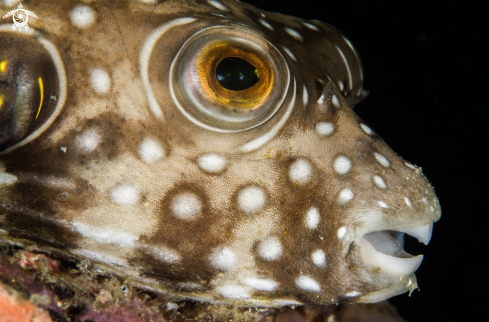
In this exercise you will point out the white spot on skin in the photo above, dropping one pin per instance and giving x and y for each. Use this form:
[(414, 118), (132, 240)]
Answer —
[(345, 196), (106, 235), (100, 257), (270, 248), (310, 26), (55, 182), (291, 55), (321, 100), (168, 256), (335, 101), (312, 218), (341, 86), (261, 284), (285, 302), (324, 128), (308, 284), (353, 294), (382, 204), (233, 291), (382, 160), (88, 140), (300, 171), (7, 179), (379, 182), (409, 165), (341, 232), (82, 16), (293, 33), (213, 163), (148, 1), (319, 258), (9, 3), (186, 206), (218, 5), (305, 96), (251, 199), (408, 202), (265, 24), (366, 129), (63, 148), (342, 165), (125, 195), (100, 81), (164, 254), (223, 258), (150, 150)]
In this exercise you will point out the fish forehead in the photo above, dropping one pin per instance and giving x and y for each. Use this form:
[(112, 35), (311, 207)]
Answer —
[(272, 215)]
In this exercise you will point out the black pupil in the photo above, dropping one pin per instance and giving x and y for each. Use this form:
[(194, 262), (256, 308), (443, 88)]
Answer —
[(236, 74)]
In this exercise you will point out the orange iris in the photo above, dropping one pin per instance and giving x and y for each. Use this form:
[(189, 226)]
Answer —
[(207, 62)]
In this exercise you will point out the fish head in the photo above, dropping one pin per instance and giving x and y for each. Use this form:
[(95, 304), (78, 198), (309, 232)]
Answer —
[(207, 149)]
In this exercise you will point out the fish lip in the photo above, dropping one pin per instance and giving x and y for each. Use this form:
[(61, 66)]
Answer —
[(380, 250)]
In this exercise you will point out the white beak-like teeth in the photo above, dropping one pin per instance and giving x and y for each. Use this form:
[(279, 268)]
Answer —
[(422, 233), (390, 264)]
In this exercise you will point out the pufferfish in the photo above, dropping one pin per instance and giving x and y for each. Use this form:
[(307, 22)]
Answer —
[(207, 149)]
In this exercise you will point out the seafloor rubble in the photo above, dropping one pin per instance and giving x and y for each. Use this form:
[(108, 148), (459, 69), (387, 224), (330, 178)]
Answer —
[(35, 287)]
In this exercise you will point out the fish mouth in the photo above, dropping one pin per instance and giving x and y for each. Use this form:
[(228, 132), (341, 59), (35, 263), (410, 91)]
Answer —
[(384, 249)]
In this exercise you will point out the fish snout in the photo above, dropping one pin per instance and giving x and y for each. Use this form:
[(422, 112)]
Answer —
[(405, 213)]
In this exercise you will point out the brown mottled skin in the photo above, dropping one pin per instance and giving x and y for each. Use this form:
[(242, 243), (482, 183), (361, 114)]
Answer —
[(64, 198)]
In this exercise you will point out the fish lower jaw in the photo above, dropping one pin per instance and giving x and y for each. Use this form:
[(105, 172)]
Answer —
[(383, 250)]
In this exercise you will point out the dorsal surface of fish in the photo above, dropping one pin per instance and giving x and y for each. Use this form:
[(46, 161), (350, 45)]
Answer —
[(206, 149)]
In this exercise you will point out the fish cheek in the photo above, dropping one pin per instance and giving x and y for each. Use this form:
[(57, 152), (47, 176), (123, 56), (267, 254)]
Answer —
[(34, 214), (193, 238)]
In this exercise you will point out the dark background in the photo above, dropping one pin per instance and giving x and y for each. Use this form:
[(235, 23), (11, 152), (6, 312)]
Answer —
[(425, 66)]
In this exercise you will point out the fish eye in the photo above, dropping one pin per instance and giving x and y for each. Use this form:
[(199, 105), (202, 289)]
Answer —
[(21, 98), (28, 88), (236, 74), (228, 79)]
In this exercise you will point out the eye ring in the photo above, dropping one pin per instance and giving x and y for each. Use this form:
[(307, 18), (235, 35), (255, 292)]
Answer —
[(198, 94), (57, 62)]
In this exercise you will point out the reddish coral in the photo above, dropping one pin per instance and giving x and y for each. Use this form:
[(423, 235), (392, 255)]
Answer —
[(37, 261), (125, 311), (15, 309)]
